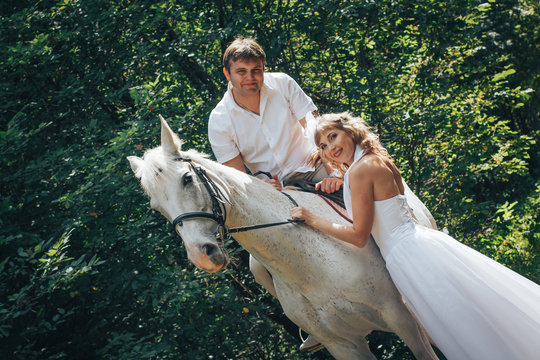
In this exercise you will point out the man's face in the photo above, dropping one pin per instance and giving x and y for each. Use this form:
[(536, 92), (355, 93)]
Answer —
[(246, 76)]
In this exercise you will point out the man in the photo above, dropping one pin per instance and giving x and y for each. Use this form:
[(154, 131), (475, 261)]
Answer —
[(263, 123)]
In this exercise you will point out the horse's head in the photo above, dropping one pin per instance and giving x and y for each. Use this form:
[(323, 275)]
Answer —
[(177, 189)]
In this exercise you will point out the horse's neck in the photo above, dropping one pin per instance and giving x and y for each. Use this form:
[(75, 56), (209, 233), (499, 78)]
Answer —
[(254, 202), (275, 247), (242, 190), (280, 249)]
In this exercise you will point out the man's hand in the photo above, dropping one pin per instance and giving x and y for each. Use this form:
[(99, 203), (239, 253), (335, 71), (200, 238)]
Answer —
[(313, 158), (275, 182), (329, 185)]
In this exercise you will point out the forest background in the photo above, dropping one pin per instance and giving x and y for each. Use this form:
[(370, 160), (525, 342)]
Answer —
[(87, 271)]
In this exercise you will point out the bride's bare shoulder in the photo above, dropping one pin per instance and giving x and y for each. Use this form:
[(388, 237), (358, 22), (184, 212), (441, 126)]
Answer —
[(371, 165)]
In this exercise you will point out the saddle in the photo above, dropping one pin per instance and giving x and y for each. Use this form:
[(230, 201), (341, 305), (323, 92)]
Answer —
[(335, 199)]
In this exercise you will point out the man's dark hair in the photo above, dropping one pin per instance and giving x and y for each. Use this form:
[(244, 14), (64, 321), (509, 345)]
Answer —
[(243, 48)]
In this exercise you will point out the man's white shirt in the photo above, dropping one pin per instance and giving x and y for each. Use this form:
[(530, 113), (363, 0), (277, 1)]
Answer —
[(273, 141)]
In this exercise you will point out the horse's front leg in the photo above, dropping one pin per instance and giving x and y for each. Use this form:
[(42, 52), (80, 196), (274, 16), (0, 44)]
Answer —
[(261, 275)]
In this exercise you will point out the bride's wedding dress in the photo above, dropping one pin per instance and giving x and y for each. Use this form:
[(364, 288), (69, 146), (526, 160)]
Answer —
[(471, 306)]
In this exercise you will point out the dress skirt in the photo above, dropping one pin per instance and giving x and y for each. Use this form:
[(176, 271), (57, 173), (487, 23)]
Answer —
[(471, 306)]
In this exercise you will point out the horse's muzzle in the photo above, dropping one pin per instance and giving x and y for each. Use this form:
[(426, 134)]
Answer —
[(216, 255)]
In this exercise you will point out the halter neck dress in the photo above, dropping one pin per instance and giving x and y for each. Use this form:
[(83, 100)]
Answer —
[(471, 306)]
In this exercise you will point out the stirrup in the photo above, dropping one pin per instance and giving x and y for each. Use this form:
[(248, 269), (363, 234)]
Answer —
[(309, 344)]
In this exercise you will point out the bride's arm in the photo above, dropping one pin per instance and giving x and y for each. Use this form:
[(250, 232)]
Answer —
[(363, 210)]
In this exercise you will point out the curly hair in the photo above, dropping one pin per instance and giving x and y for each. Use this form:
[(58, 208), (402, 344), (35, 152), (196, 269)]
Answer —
[(357, 128)]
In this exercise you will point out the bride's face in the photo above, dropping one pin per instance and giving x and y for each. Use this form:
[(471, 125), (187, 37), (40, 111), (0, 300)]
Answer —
[(337, 145)]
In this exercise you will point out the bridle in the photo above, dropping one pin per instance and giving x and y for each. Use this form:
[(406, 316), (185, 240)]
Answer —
[(219, 211)]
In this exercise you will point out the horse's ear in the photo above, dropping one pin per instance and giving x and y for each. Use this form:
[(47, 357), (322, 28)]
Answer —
[(136, 163), (170, 142)]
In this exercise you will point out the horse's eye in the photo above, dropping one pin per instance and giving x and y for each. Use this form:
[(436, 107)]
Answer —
[(187, 179)]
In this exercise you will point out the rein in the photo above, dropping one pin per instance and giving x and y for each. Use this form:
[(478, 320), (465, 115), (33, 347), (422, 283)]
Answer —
[(261, 226), (219, 212)]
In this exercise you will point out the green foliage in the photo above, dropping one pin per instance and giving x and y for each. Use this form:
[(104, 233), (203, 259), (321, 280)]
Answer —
[(85, 268)]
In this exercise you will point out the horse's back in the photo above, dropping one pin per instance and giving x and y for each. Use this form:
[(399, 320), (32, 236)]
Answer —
[(343, 267)]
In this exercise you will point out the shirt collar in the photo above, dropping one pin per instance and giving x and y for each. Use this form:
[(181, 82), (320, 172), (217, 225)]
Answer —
[(229, 98)]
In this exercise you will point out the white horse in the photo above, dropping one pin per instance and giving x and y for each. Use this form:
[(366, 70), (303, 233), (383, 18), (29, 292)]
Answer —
[(337, 292)]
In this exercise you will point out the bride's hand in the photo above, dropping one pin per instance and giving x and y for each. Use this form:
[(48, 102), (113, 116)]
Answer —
[(300, 212), (329, 185)]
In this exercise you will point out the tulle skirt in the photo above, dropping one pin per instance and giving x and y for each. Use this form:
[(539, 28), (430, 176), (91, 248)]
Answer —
[(471, 306)]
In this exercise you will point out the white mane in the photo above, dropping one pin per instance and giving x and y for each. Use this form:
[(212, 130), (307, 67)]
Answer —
[(158, 167)]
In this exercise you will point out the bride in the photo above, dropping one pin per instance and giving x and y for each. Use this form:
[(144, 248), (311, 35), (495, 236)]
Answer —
[(471, 306)]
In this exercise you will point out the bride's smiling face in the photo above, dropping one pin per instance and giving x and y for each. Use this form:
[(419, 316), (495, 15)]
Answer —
[(337, 145)]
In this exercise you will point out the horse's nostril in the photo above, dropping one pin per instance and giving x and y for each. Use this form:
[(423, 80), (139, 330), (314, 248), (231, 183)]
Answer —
[(210, 250)]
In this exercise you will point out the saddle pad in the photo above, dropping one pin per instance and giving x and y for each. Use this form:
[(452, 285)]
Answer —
[(337, 208)]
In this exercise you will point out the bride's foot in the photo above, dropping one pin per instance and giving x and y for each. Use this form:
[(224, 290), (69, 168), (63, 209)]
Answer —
[(311, 344)]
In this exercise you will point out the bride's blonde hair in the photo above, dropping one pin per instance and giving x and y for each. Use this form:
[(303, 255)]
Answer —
[(357, 128)]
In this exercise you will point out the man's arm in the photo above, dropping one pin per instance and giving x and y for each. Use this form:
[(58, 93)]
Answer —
[(236, 162), (314, 157)]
